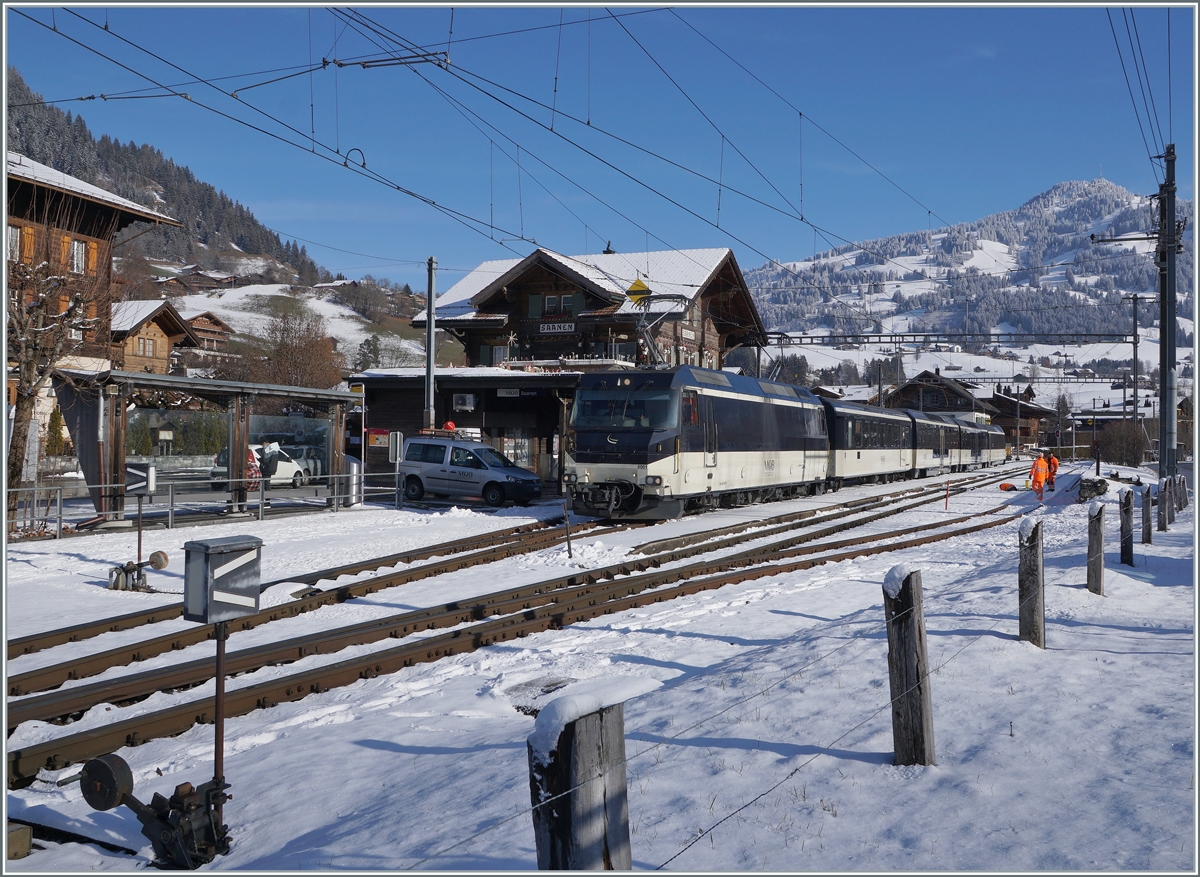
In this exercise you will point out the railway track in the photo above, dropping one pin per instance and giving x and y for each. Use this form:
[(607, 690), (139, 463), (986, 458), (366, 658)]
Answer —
[(519, 611), (532, 538), (26, 645), (306, 600)]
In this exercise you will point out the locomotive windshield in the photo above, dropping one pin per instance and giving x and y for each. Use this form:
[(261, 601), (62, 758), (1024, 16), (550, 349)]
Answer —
[(626, 409)]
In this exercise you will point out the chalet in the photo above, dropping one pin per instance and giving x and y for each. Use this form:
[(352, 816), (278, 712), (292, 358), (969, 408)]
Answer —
[(58, 219), (933, 391), (211, 331), (56, 216), (692, 306), (145, 334), (1018, 415)]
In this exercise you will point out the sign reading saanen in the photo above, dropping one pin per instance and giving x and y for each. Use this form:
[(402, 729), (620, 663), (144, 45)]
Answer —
[(557, 328)]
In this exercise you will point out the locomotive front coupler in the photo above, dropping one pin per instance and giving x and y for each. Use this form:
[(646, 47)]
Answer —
[(185, 829)]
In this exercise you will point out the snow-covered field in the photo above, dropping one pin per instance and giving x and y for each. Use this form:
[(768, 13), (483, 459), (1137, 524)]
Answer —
[(244, 308), (767, 746)]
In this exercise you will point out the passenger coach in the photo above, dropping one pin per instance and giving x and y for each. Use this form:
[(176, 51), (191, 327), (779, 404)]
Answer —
[(867, 443)]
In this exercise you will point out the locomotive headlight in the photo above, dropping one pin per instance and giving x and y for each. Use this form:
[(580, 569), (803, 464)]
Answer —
[(570, 478), (654, 480)]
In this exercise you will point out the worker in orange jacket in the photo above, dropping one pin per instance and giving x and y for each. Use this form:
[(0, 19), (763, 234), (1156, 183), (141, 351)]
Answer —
[(1052, 462), (1039, 473)]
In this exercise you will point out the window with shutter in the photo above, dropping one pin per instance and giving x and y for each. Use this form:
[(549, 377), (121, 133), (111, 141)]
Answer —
[(27, 244), (535, 306), (93, 257), (78, 257)]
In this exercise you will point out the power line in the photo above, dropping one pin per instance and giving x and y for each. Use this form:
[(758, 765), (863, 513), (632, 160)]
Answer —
[(810, 120), (458, 216), (705, 116), (1147, 89), (1137, 114)]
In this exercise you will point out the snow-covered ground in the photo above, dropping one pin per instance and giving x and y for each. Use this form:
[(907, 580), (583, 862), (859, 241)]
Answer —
[(767, 746), (245, 308)]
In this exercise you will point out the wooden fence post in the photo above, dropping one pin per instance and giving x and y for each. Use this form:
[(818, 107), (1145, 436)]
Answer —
[(1095, 557), (1181, 500), (1147, 526), (1125, 504), (577, 785), (1171, 501), (908, 667), (1031, 604), (1162, 505)]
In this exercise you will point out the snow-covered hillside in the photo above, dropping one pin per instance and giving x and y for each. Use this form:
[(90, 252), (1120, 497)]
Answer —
[(1036, 268)]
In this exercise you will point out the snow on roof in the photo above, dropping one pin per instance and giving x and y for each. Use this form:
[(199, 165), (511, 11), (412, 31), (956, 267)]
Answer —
[(665, 272), (419, 371), (128, 315), (335, 283), (24, 168)]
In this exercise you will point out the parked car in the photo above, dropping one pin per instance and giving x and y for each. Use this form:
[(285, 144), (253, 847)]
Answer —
[(444, 465), (274, 463), (309, 458)]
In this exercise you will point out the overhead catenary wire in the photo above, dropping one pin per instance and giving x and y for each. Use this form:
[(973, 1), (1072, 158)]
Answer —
[(703, 114), (1129, 86), (756, 78), (464, 219), (1147, 89), (383, 31)]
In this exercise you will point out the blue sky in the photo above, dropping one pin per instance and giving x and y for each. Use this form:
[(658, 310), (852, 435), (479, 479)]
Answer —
[(940, 115)]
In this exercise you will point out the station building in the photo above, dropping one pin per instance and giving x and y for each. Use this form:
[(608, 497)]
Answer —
[(532, 326)]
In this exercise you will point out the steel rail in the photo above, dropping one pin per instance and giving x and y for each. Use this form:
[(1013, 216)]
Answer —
[(64, 703), (779, 523), (35, 642), (25, 763), (89, 665), (53, 675)]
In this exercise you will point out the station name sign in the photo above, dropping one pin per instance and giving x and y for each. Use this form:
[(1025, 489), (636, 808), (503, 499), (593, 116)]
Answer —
[(557, 328)]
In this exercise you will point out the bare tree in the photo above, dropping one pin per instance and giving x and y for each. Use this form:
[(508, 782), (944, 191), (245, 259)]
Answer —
[(300, 352), (58, 303), (1123, 443)]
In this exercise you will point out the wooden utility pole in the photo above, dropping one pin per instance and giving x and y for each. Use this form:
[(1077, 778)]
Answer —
[(1095, 556)]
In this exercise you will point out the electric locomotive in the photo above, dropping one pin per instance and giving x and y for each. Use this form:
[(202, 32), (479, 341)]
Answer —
[(645, 444)]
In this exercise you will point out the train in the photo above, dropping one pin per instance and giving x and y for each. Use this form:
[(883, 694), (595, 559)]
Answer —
[(658, 444)]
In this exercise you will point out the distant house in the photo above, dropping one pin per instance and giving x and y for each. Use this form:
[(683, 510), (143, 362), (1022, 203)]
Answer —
[(145, 334), (213, 332), (933, 391)]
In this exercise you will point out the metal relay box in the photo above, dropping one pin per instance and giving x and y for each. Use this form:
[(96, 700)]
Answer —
[(221, 578)]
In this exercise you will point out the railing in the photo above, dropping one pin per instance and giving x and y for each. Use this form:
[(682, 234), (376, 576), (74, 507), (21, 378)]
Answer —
[(51, 510)]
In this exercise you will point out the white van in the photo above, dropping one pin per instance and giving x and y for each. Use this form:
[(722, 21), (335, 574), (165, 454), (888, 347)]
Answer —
[(443, 464)]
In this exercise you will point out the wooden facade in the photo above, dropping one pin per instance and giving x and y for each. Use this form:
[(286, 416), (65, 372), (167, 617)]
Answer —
[(145, 334), (68, 226), (934, 392), (552, 307), (212, 332)]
